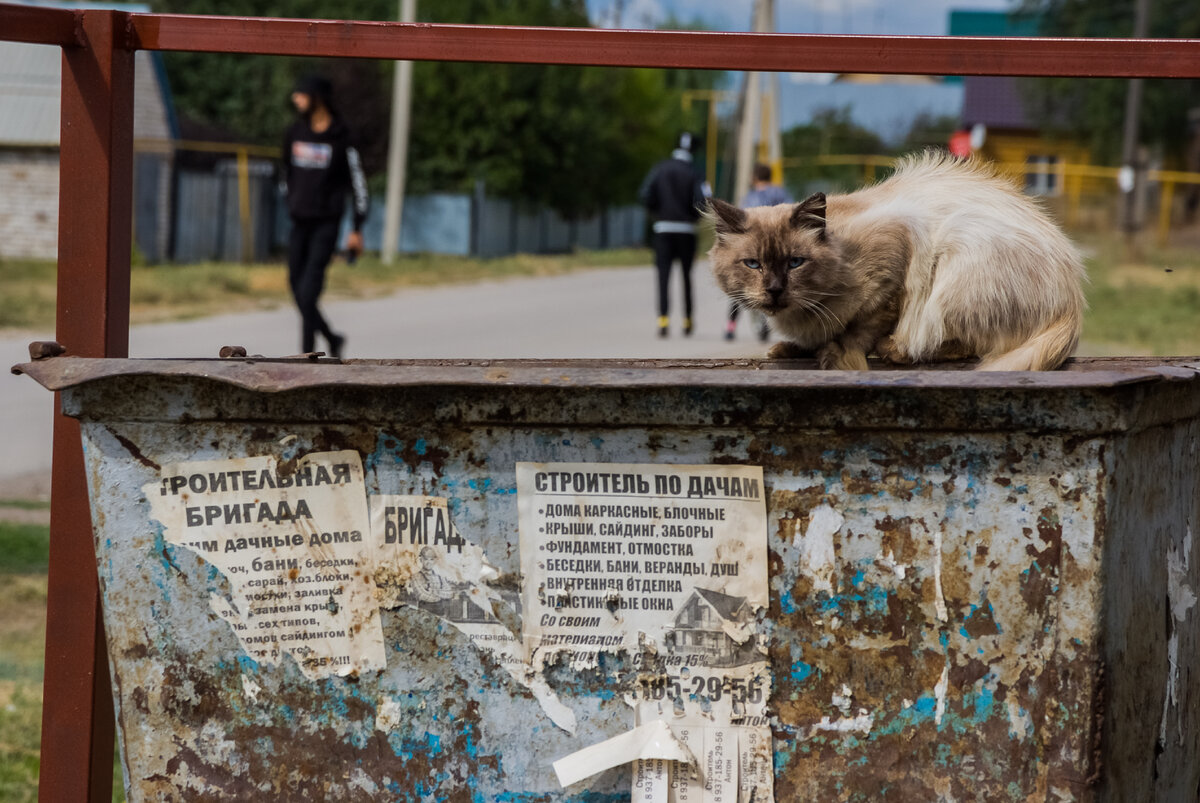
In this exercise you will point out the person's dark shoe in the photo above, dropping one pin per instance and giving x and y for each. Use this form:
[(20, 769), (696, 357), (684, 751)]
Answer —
[(687, 327), (663, 322), (336, 344)]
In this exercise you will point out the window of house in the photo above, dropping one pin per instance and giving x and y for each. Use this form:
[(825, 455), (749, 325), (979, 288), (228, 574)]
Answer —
[(1042, 177)]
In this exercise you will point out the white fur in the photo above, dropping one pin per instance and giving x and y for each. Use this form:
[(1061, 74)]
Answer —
[(989, 268)]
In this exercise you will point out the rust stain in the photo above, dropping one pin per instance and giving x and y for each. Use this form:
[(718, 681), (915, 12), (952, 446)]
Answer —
[(133, 450)]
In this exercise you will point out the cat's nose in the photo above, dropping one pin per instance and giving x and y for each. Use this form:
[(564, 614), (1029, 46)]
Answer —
[(774, 293)]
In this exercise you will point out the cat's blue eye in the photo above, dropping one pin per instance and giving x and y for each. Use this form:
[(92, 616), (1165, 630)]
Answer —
[(752, 264), (796, 262)]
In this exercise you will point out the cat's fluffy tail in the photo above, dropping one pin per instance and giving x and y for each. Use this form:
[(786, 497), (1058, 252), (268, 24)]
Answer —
[(1045, 351)]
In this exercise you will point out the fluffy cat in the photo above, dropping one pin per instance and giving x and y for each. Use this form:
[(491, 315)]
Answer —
[(943, 260)]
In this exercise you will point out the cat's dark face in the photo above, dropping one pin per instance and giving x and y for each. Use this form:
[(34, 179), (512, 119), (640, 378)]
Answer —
[(777, 259)]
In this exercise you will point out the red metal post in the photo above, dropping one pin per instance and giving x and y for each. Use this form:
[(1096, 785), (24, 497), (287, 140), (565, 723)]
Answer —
[(95, 220)]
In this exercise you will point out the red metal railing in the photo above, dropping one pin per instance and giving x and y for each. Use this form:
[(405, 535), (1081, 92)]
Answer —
[(95, 221)]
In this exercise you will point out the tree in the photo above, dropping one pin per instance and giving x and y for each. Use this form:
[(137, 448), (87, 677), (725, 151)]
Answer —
[(832, 132), (928, 131), (573, 138), (247, 95), (1093, 109)]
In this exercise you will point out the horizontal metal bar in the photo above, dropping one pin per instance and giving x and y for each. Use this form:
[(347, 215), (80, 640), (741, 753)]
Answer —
[(930, 55), (39, 26)]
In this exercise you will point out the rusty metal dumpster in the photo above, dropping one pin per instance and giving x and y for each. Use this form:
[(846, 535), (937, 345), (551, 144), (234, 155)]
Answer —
[(740, 580)]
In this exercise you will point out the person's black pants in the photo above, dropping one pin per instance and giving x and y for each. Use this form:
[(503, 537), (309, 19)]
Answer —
[(668, 247), (310, 247)]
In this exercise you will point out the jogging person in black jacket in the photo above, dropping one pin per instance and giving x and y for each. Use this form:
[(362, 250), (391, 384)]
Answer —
[(674, 194), (321, 168)]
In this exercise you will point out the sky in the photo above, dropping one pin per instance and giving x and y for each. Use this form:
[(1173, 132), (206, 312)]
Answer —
[(908, 17), (887, 110)]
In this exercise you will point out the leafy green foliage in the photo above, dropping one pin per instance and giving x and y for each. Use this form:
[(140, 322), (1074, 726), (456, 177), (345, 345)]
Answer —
[(571, 138), (247, 96), (831, 132), (928, 131), (1094, 109)]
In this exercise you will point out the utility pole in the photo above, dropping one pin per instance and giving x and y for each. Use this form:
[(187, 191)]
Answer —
[(1130, 157), (771, 134), (393, 211), (752, 122)]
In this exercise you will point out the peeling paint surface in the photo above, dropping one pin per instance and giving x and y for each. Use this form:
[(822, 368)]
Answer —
[(974, 590)]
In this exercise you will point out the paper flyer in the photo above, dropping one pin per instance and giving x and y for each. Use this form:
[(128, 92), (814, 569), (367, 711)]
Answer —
[(669, 561)]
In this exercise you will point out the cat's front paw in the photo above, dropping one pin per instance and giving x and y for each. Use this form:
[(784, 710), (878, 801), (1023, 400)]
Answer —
[(835, 357), (889, 350), (783, 350)]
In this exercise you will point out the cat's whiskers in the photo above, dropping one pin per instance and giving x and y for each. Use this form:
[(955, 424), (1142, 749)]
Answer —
[(831, 324)]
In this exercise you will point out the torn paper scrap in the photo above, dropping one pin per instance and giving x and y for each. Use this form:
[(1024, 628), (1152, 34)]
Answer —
[(650, 741), (421, 560), (820, 556)]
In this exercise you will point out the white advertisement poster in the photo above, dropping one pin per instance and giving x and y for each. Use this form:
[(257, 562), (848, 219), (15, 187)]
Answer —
[(669, 561), (293, 541)]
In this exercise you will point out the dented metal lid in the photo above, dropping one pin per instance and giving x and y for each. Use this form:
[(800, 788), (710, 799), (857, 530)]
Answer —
[(282, 374)]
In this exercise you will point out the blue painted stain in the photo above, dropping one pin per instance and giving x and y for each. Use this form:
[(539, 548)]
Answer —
[(926, 706), (480, 485), (385, 447), (984, 605), (598, 442), (421, 447), (870, 602), (786, 603), (801, 671), (983, 701), (920, 712)]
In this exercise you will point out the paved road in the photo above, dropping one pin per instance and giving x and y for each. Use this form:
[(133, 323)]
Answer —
[(599, 313)]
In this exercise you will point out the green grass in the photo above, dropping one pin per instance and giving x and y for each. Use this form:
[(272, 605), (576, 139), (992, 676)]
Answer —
[(24, 548), (23, 560), (171, 292), (25, 504), (1147, 303), (22, 636)]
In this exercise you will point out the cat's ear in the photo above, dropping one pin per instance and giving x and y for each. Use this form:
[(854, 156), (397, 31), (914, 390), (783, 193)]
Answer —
[(726, 218), (810, 213)]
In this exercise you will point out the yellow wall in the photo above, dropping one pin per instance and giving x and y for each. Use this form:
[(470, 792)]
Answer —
[(1016, 149)]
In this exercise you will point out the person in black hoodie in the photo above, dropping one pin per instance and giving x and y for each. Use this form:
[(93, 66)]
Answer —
[(321, 167), (674, 193)]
